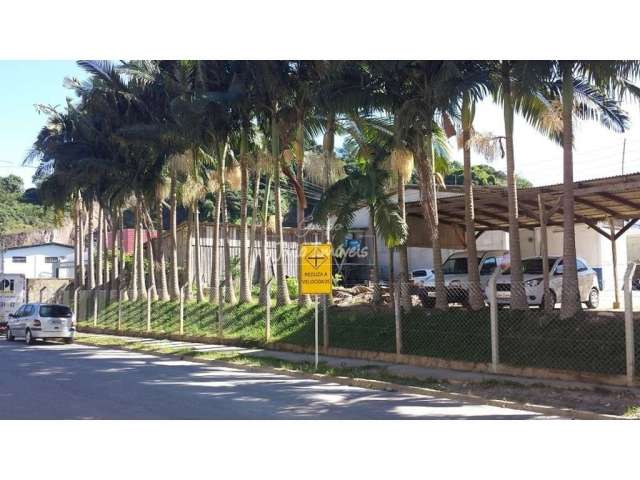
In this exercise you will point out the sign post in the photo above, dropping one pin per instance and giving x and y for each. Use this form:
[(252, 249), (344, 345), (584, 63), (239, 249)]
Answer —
[(315, 276)]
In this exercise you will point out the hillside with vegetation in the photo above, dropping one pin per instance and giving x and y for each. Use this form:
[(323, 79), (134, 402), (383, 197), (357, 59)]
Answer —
[(20, 209)]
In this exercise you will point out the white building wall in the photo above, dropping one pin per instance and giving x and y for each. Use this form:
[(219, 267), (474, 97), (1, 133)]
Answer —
[(35, 265)]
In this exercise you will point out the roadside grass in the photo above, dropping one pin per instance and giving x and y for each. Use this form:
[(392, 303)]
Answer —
[(531, 338), (632, 411)]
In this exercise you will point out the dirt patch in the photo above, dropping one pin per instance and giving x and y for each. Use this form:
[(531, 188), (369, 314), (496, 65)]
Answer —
[(598, 400)]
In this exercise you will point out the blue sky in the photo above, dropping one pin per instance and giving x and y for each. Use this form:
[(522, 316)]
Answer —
[(598, 152), (23, 84)]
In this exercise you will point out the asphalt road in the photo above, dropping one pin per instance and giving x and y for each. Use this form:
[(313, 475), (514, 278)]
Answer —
[(56, 381)]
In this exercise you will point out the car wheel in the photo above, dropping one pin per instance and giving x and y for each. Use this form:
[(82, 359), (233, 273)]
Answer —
[(10, 338), (594, 298), (552, 298), (68, 340), (427, 301), (28, 338)]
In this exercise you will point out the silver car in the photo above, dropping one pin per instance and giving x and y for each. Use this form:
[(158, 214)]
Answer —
[(533, 284), (40, 320)]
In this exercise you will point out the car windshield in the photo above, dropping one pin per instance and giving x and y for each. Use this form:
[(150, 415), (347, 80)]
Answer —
[(456, 266), (532, 266), (55, 311)]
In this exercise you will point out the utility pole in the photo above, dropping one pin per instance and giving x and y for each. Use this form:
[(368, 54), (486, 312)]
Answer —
[(624, 147)]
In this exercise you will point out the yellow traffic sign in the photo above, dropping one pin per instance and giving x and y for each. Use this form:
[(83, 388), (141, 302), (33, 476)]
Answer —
[(315, 268)]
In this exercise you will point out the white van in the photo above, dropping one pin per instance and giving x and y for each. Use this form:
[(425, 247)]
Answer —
[(456, 276), (42, 320), (13, 290)]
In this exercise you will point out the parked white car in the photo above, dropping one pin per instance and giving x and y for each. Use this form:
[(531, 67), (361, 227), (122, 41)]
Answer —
[(421, 275), (532, 276), (456, 276), (40, 320)]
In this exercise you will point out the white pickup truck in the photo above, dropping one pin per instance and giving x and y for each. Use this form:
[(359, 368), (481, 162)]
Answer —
[(456, 276)]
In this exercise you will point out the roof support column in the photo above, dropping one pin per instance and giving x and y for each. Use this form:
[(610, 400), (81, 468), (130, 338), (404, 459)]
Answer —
[(614, 256), (544, 252)]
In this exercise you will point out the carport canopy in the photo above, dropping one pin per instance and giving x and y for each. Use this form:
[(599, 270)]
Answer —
[(596, 200)]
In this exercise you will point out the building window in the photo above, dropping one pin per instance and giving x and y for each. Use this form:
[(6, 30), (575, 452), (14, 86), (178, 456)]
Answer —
[(19, 259), (51, 260)]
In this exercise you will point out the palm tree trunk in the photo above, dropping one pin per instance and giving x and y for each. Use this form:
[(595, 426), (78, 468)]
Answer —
[(429, 201), (214, 291), (122, 277), (199, 291), (174, 234), (188, 294), (92, 275), (282, 296), (570, 303), (100, 256), (164, 295), (141, 271), (518, 298), (134, 274), (105, 233), (265, 296), (148, 224), (79, 280), (374, 275), (115, 233), (303, 300), (229, 291), (403, 283), (245, 283), (254, 226), (476, 300)]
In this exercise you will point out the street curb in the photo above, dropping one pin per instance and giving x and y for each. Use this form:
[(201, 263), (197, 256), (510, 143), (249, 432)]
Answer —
[(389, 387)]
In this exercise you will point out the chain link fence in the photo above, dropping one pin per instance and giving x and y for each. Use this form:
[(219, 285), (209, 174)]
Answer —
[(460, 321)]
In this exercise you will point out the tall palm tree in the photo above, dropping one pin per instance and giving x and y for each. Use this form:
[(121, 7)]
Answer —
[(245, 281), (230, 294), (588, 101)]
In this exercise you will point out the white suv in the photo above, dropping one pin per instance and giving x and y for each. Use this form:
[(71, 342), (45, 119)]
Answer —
[(420, 276), (40, 320), (533, 282), (456, 276)]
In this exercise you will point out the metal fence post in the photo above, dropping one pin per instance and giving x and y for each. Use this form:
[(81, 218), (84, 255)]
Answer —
[(119, 310), (493, 306), (75, 301), (267, 326), (325, 322), (221, 310), (149, 308), (628, 323), (398, 316), (316, 333), (182, 309), (95, 307)]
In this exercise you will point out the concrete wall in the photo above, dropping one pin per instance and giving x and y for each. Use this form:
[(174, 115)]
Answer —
[(53, 288)]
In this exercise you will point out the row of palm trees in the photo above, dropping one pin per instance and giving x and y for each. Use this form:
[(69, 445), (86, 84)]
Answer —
[(145, 135)]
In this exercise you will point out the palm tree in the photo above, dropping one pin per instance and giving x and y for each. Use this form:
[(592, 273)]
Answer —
[(226, 179), (245, 281), (160, 194), (586, 101), (365, 185)]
